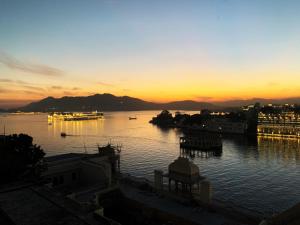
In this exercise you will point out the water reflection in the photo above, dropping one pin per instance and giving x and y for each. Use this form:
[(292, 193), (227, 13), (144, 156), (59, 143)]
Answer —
[(238, 140), (193, 153), (75, 128), (284, 149), (242, 146)]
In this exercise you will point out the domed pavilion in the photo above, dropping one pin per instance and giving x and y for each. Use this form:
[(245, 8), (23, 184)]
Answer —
[(184, 172)]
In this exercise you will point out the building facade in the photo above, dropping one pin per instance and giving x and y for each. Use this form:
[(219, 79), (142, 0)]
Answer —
[(284, 124)]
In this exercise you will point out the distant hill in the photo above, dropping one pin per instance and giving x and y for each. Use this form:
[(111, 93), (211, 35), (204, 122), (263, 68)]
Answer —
[(108, 102), (239, 103), (188, 105)]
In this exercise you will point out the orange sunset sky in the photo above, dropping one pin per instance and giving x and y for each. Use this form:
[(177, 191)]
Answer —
[(154, 50)]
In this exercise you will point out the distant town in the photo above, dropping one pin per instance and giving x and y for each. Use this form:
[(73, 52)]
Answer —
[(267, 120)]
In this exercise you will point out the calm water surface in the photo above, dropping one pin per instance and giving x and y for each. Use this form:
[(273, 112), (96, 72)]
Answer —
[(261, 175)]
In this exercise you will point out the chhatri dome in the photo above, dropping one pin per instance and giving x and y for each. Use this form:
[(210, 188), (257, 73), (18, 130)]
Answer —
[(184, 170)]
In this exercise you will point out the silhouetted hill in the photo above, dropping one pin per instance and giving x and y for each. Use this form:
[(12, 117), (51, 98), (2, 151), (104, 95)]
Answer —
[(263, 101), (188, 105), (107, 102)]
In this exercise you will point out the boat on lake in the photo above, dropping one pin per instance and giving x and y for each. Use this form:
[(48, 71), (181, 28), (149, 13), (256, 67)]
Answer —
[(132, 118), (63, 134), (75, 116)]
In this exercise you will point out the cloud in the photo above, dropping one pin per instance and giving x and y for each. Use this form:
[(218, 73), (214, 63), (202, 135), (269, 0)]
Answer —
[(26, 89), (56, 87), (33, 88), (40, 69), (33, 93), (3, 90), (106, 84), (21, 82), (68, 93), (6, 81), (75, 88), (13, 81)]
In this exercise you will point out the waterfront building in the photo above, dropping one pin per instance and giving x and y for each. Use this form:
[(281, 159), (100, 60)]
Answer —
[(223, 125), (202, 142), (283, 124)]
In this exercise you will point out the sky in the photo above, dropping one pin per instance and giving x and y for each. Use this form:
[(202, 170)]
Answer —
[(204, 50)]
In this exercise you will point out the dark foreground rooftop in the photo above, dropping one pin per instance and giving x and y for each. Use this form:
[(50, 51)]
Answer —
[(27, 207)]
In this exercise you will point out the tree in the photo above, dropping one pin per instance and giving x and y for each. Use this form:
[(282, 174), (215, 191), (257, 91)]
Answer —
[(19, 157), (164, 119)]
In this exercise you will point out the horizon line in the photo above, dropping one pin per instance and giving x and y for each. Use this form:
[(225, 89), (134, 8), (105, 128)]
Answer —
[(16, 103)]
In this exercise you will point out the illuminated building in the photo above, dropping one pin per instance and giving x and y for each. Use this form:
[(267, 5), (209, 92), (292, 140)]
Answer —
[(284, 124)]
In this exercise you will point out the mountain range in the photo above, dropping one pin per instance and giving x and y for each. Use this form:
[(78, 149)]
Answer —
[(109, 102), (262, 101)]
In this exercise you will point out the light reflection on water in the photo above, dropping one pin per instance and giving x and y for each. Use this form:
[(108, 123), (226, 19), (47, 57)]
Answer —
[(261, 174)]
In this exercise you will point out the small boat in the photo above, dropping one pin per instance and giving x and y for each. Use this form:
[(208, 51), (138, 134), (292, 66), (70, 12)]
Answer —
[(132, 118), (63, 134)]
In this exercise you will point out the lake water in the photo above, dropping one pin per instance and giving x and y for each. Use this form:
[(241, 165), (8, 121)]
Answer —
[(261, 175)]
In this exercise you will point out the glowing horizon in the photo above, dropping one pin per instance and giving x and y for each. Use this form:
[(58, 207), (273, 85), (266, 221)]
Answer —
[(157, 51)]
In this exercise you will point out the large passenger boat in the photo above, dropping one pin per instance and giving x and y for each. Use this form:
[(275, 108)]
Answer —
[(73, 116)]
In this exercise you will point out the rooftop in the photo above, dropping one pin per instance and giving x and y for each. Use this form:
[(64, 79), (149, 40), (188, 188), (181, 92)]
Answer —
[(35, 209), (183, 166), (64, 157)]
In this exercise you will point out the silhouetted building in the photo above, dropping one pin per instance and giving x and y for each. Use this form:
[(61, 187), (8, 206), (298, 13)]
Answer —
[(184, 172)]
